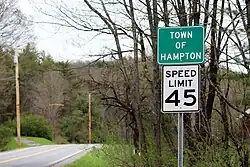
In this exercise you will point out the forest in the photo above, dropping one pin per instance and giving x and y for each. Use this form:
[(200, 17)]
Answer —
[(124, 79)]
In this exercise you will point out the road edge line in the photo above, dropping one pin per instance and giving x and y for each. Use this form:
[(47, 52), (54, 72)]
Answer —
[(67, 157)]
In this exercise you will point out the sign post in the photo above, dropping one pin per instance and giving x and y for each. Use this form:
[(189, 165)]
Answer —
[(180, 51), (180, 139)]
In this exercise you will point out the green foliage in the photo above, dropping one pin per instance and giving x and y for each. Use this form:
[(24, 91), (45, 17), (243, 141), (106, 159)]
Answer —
[(12, 145), (74, 127), (31, 66), (6, 135), (168, 157), (60, 140), (214, 155), (81, 104), (40, 140), (71, 91), (122, 155), (7, 86), (36, 126), (107, 156), (10, 124), (29, 62), (47, 62)]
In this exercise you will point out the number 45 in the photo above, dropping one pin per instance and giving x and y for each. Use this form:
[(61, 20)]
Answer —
[(187, 94)]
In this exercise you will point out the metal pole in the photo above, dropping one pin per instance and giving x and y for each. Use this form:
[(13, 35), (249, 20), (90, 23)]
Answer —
[(180, 139), (18, 124), (89, 113)]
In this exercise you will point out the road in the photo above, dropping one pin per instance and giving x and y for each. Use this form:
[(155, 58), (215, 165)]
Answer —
[(44, 156)]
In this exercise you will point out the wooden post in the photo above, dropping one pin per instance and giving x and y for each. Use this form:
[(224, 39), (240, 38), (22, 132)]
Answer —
[(18, 124), (89, 113)]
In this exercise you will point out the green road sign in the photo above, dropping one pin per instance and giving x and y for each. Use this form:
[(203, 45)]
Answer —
[(180, 45)]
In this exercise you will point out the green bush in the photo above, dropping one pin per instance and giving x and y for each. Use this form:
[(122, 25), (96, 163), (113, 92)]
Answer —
[(73, 127), (11, 124), (214, 155), (6, 135), (35, 126), (60, 140)]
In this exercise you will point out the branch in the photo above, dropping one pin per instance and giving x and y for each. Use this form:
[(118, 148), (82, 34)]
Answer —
[(226, 100)]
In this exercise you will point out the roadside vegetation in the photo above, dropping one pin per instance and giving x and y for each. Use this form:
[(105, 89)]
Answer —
[(32, 125), (123, 155), (108, 156), (12, 144)]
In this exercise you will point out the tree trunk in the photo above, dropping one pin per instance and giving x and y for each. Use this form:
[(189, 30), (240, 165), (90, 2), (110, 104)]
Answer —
[(142, 137), (213, 70), (225, 109), (225, 123), (201, 117), (153, 23)]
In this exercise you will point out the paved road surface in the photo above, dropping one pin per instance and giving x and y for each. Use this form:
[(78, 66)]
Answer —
[(28, 142), (44, 156)]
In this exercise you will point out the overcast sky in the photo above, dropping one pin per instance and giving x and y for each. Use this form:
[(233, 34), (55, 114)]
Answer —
[(60, 44)]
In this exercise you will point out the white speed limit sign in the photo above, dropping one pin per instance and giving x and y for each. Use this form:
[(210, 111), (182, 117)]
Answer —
[(180, 88)]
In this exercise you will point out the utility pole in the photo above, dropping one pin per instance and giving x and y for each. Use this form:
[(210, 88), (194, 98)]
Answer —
[(17, 100), (89, 113)]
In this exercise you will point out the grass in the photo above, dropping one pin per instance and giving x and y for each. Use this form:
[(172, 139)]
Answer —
[(93, 159), (107, 156), (96, 158), (12, 145), (39, 140)]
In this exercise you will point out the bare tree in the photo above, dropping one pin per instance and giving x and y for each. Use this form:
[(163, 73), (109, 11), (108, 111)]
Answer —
[(48, 96), (15, 27)]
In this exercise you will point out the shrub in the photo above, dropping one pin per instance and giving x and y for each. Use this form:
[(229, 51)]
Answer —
[(213, 155), (60, 140), (6, 135), (35, 126), (73, 127)]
